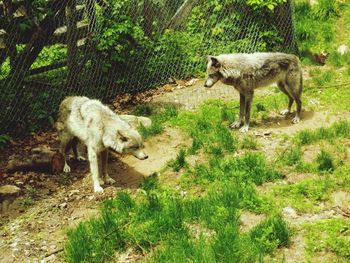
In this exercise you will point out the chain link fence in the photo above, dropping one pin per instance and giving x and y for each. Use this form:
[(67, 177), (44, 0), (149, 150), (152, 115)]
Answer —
[(102, 48)]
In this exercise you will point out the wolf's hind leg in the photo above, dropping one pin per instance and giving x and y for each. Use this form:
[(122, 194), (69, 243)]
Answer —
[(281, 86), (76, 153), (292, 89), (239, 122), (296, 119)]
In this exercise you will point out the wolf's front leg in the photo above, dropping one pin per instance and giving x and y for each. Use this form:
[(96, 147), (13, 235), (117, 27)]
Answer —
[(248, 105), (239, 122), (93, 160), (104, 164)]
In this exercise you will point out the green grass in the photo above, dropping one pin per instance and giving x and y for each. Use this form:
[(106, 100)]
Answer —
[(271, 234), (324, 79), (304, 196), (325, 162), (249, 142), (338, 130), (179, 162), (332, 235), (159, 116), (159, 224), (292, 156), (315, 25)]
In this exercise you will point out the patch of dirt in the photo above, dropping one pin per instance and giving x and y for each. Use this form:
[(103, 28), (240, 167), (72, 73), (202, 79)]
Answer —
[(311, 152), (294, 177), (249, 220), (198, 231), (341, 200), (160, 150), (295, 253), (38, 231)]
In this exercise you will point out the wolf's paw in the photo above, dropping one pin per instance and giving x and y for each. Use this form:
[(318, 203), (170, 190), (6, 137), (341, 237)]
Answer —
[(81, 158), (66, 168), (98, 189), (244, 129), (285, 112), (236, 125), (109, 180), (296, 119)]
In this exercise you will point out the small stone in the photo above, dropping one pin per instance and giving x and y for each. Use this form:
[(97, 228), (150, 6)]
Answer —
[(343, 49), (9, 190), (289, 212), (51, 258), (63, 205), (183, 193), (73, 192), (53, 247)]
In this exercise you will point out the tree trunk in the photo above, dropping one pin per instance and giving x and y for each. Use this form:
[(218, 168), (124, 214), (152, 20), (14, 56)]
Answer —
[(10, 37), (182, 13), (44, 160), (37, 42)]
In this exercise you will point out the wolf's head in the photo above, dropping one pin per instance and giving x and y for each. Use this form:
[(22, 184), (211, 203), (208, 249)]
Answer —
[(126, 141), (213, 71)]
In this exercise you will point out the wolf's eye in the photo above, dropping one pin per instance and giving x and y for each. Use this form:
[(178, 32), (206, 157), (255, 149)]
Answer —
[(123, 139)]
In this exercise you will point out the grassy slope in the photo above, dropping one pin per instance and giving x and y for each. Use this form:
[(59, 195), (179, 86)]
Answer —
[(199, 220)]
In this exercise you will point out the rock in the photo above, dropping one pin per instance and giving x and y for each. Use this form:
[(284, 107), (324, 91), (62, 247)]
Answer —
[(53, 247), (289, 212), (183, 193), (44, 248), (73, 192), (9, 190), (51, 258), (8, 193), (343, 49), (63, 205)]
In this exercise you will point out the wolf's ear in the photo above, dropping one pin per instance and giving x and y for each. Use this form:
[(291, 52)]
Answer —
[(214, 61)]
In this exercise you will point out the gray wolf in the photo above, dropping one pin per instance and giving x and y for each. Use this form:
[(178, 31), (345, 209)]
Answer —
[(246, 72), (100, 129)]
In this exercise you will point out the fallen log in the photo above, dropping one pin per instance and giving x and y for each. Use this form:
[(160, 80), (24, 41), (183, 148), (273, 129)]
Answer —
[(39, 160)]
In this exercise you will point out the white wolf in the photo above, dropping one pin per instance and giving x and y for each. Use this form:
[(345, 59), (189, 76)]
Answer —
[(100, 129), (247, 72)]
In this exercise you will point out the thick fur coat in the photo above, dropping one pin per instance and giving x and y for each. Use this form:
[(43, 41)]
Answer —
[(246, 72), (100, 129)]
